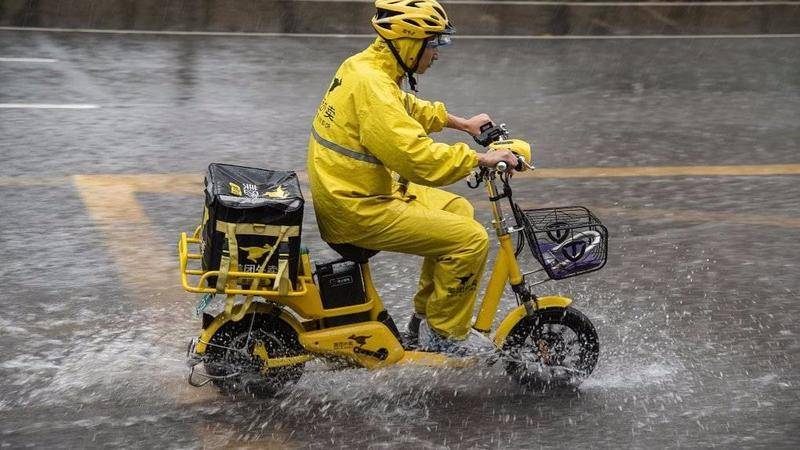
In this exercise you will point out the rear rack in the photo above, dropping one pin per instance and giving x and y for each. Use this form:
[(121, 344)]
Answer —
[(198, 287)]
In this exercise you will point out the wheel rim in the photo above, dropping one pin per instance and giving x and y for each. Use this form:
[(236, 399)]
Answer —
[(239, 354), (557, 347)]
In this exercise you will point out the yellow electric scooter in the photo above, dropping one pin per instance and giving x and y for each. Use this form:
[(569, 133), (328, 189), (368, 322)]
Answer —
[(270, 326)]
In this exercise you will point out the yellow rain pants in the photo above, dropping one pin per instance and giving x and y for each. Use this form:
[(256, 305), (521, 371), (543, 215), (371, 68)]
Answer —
[(365, 130), (439, 226)]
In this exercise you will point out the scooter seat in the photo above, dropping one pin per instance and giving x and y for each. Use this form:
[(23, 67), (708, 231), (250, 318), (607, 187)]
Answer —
[(354, 253)]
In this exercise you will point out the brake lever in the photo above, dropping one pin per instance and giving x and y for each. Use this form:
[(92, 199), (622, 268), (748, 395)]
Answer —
[(522, 164), (475, 178)]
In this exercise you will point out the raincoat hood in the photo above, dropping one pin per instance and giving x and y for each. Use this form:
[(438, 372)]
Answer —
[(408, 49)]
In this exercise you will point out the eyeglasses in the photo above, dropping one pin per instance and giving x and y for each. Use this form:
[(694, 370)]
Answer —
[(439, 40)]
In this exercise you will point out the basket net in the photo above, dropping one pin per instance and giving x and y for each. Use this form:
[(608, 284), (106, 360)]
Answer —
[(567, 241)]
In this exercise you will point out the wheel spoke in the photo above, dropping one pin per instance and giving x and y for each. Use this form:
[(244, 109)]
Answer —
[(555, 347), (250, 330)]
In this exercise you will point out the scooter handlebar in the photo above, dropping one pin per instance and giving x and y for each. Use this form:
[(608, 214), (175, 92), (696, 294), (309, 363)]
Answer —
[(502, 166), (491, 133)]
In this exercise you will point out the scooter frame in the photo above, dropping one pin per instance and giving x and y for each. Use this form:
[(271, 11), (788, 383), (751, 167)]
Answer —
[(300, 306)]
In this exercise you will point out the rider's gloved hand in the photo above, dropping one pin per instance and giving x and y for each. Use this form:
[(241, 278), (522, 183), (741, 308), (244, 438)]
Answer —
[(492, 157), (474, 123), (517, 147)]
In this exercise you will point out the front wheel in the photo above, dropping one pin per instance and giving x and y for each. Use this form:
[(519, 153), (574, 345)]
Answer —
[(554, 347)]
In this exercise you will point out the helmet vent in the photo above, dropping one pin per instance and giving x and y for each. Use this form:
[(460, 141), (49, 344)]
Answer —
[(415, 19), (384, 13)]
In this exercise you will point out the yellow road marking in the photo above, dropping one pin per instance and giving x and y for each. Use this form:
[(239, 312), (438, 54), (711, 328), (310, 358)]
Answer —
[(666, 171), (148, 263), (171, 183), (147, 267), (679, 215), (701, 216), (187, 183)]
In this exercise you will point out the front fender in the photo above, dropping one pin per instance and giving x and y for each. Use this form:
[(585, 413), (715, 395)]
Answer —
[(220, 320), (520, 313)]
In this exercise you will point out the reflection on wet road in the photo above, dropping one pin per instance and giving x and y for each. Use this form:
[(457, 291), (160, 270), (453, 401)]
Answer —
[(688, 151)]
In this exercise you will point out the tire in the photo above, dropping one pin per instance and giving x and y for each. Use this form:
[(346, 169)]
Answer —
[(558, 347), (231, 352)]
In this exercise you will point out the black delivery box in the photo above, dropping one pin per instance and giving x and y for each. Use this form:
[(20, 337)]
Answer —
[(258, 202)]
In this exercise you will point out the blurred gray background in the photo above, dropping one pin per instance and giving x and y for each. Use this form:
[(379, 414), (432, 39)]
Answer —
[(675, 122), (490, 17)]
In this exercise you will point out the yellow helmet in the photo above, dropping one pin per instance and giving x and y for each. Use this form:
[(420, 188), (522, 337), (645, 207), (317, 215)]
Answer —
[(415, 19)]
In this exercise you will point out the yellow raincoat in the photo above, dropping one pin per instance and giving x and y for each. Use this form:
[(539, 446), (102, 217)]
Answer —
[(366, 128)]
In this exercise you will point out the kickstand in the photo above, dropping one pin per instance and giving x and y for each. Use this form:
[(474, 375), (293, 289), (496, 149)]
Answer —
[(194, 383)]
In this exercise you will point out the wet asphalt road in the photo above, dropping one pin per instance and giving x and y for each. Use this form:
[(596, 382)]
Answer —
[(696, 311)]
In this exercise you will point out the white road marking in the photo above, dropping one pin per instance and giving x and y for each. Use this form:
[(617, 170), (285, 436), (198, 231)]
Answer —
[(28, 60), (45, 106), (666, 171), (591, 3), (372, 36), (638, 36)]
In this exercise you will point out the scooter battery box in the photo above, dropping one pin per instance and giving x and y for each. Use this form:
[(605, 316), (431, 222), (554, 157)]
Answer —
[(254, 207), (340, 284)]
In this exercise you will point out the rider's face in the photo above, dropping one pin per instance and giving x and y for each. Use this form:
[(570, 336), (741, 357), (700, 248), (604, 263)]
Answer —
[(428, 57)]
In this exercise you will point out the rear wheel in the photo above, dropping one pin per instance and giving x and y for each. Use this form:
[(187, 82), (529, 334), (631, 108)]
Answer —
[(555, 347), (233, 354)]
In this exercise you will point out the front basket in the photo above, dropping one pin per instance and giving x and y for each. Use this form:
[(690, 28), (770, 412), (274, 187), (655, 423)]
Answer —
[(567, 241)]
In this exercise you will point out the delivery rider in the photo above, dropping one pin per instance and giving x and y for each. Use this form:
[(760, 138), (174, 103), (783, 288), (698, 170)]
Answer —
[(366, 129)]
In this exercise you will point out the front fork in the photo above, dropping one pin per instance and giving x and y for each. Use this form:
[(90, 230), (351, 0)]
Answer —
[(505, 267)]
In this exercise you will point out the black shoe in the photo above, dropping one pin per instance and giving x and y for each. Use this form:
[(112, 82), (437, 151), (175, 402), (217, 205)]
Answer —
[(411, 336), (413, 325)]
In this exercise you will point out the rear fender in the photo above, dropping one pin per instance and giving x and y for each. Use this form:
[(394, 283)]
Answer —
[(255, 308), (519, 313)]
